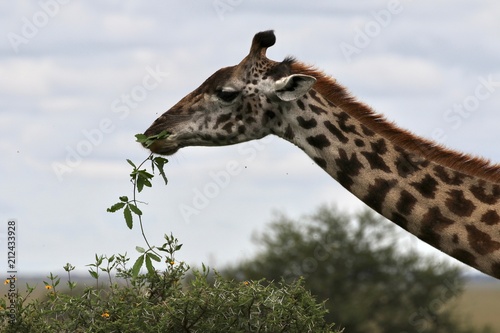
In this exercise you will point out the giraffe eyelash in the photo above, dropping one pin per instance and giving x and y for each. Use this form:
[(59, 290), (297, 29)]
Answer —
[(227, 95)]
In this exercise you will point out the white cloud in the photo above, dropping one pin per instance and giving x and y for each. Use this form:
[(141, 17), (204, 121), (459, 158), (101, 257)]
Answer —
[(26, 77), (102, 170), (123, 26), (60, 104), (390, 73)]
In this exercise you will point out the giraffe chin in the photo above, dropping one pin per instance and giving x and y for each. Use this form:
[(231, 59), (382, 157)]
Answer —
[(167, 151), (162, 149)]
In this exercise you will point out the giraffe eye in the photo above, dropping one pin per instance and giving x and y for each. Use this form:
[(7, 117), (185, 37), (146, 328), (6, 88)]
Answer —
[(227, 95)]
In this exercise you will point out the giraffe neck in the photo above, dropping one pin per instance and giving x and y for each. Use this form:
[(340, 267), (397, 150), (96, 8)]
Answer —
[(449, 208)]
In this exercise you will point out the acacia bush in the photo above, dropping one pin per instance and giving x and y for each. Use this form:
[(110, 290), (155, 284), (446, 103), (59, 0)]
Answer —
[(164, 301)]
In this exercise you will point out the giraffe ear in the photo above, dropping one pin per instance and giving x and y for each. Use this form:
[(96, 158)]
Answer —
[(292, 87)]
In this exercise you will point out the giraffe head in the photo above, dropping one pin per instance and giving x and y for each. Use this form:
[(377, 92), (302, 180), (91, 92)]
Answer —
[(235, 104)]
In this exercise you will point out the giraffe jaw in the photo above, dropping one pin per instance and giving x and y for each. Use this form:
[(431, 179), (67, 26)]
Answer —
[(163, 147)]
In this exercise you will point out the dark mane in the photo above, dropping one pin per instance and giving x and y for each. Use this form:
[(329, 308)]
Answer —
[(333, 91)]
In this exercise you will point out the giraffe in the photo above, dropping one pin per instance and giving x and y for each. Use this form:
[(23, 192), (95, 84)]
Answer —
[(448, 199)]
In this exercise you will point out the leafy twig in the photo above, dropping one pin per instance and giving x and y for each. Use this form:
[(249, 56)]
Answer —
[(141, 178)]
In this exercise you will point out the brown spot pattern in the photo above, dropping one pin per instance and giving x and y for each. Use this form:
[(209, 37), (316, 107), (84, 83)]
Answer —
[(367, 131), (442, 174), (307, 124), (377, 193), (348, 167), (222, 119), (301, 105), (319, 141), (479, 192), (406, 203), (359, 143), (269, 114), (400, 220), (228, 127), (433, 223), (314, 95), (250, 120), (464, 256), (480, 241), (405, 163), (490, 217), (495, 270), (317, 109), (335, 131), (458, 204), (374, 158), (427, 186), (320, 161), (289, 134), (342, 121)]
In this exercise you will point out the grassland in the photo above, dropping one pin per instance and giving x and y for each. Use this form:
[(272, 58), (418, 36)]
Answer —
[(479, 304)]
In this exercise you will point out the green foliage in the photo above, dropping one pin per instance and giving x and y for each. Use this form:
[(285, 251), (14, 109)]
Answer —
[(159, 301), (140, 178), (354, 264)]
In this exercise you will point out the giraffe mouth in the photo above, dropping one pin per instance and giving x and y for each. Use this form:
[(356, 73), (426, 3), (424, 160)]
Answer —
[(163, 147)]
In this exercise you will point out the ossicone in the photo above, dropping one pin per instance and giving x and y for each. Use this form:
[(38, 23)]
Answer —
[(261, 41)]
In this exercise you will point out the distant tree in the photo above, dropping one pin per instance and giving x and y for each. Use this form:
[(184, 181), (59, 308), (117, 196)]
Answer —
[(353, 262)]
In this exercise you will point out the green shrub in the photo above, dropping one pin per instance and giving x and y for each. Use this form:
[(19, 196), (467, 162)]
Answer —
[(164, 301)]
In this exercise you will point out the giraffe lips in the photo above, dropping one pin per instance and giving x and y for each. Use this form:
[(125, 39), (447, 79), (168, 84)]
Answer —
[(163, 148), (163, 145)]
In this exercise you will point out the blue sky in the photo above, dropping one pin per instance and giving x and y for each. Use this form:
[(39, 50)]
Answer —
[(79, 79)]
